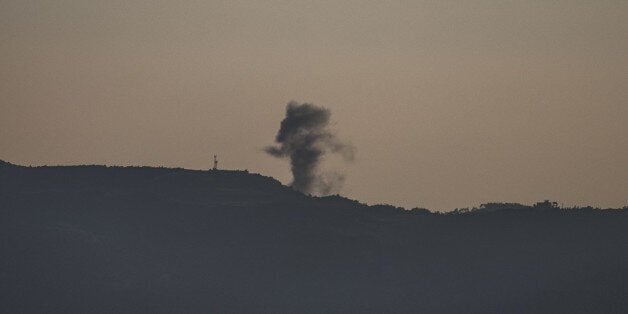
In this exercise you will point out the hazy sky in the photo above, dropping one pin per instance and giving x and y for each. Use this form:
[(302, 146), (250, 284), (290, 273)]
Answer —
[(450, 104)]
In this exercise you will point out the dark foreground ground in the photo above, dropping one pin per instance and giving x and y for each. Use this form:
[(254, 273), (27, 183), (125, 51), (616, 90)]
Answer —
[(93, 239)]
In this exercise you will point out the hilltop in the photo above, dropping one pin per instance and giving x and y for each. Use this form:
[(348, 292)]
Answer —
[(99, 239)]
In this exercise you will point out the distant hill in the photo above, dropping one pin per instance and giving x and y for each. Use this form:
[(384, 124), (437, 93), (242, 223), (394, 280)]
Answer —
[(96, 239), (4, 164)]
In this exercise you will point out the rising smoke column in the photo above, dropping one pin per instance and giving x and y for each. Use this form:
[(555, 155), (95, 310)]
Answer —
[(305, 139)]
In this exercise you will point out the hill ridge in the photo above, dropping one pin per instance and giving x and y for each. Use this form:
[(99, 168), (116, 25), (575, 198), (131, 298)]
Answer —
[(104, 239)]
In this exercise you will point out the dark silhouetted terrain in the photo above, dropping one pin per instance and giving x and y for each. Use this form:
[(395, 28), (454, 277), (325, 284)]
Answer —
[(95, 239)]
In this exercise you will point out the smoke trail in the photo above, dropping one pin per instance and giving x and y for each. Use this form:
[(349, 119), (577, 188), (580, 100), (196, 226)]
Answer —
[(304, 138)]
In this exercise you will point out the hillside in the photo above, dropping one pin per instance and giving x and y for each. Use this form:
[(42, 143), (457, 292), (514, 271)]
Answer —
[(96, 239)]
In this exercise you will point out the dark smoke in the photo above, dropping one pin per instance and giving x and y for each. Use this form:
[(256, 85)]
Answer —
[(305, 139)]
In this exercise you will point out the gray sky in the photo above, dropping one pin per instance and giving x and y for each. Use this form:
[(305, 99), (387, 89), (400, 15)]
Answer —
[(450, 104)]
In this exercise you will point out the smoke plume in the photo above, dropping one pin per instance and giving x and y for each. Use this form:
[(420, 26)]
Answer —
[(304, 138)]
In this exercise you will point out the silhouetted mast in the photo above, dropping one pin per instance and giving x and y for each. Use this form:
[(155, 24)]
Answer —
[(215, 163)]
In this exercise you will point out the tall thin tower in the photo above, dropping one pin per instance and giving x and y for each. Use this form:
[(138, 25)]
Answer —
[(215, 163)]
